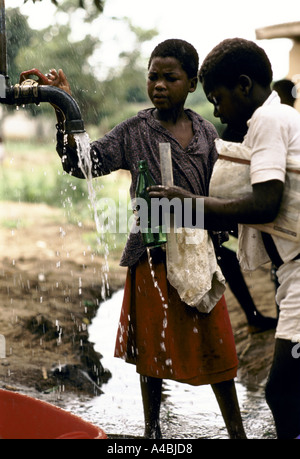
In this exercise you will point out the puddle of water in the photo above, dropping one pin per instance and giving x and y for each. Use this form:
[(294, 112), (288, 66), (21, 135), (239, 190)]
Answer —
[(187, 412)]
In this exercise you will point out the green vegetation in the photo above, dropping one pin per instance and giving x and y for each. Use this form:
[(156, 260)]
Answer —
[(32, 172)]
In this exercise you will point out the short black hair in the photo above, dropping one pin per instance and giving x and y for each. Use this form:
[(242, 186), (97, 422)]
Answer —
[(234, 57), (183, 51)]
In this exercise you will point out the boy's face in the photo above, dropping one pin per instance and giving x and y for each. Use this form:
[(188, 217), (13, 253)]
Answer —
[(230, 106), (168, 84)]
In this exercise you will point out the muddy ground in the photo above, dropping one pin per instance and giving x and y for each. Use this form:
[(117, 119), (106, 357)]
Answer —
[(51, 285)]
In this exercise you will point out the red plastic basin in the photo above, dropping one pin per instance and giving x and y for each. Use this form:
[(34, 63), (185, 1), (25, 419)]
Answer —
[(23, 417)]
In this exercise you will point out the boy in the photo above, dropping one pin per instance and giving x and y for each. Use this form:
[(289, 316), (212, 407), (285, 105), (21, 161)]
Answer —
[(236, 77), (162, 336)]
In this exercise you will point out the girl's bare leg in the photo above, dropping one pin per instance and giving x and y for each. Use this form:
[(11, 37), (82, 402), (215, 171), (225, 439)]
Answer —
[(226, 396), (151, 395)]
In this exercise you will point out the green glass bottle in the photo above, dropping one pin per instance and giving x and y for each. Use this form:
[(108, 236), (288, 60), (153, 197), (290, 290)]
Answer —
[(152, 237)]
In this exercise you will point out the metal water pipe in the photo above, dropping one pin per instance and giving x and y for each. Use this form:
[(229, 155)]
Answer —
[(3, 55), (31, 92)]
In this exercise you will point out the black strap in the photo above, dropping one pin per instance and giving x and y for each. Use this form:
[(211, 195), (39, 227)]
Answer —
[(271, 250)]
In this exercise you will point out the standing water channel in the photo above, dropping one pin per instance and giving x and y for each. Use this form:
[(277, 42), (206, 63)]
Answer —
[(187, 412)]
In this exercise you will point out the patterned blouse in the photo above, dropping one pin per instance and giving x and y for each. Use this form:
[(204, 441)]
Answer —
[(138, 138)]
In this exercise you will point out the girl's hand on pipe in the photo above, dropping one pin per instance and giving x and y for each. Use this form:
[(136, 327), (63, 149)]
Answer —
[(59, 80)]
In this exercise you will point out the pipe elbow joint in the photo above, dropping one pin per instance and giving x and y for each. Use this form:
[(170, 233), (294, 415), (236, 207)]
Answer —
[(31, 92)]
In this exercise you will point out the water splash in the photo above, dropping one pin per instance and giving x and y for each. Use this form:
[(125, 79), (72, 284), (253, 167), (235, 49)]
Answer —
[(85, 163), (164, 303), (155, 283)]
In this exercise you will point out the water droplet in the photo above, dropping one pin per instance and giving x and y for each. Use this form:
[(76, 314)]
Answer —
[(162, 346)]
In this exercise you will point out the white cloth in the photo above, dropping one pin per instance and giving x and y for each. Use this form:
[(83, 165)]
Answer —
[(234, 164), (288, 298), (194, 271)]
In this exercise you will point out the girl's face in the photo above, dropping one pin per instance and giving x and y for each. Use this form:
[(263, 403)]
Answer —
[(168, 84)]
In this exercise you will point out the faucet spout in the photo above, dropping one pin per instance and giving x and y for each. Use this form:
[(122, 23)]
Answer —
[(31, 92)]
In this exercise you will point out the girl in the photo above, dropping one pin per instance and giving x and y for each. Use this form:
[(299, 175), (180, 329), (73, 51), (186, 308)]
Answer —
[(193, 348)]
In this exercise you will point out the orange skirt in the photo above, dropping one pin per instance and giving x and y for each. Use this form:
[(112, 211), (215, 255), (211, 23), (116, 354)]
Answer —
[(167, 339)]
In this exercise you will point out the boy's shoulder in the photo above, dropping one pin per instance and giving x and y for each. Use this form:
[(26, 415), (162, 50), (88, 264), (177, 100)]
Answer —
[(276, 116), (277, 110)]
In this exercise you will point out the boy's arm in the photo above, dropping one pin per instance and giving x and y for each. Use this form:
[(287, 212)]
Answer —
[(260, 206)]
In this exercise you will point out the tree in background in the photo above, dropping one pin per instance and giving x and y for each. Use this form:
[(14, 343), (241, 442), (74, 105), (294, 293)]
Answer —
[(18, 34), (53, 47), (103, 101)]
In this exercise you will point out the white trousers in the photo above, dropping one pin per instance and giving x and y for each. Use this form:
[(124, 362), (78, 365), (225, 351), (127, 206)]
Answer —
[(288, 299)]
